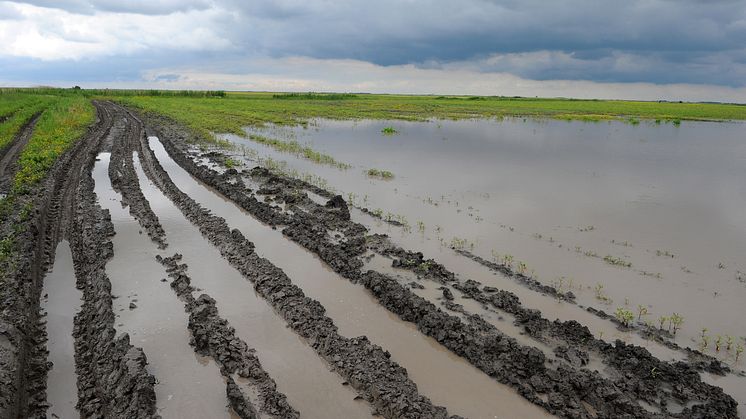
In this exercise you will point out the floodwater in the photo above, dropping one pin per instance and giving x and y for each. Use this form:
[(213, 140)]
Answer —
[(61, 302), (550, 192), (560, 196), (311, 387), (445, 378), (189, 385)]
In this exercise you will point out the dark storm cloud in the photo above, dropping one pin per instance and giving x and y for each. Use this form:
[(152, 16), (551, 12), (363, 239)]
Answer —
[(657, 41)]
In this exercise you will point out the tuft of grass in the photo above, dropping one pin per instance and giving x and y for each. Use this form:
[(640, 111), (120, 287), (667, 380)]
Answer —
[(389, 131), (613, 260), (382, 174)]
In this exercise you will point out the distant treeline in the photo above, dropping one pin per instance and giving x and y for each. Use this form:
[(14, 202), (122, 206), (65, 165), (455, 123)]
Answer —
[(112, 92), (314, 96)]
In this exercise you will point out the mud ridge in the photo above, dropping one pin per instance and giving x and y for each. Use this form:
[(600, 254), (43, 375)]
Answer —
[(112, 376), (213, 336), (366, 367), (124, 179), (563, 388)]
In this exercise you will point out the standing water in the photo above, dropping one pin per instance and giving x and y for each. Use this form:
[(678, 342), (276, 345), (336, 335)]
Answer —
[(61, 301)]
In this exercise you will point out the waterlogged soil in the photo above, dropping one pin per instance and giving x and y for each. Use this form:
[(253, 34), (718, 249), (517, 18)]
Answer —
[(311, 388), (60, 301), (442, 376), (146, 308), (560, 196), (318, 229)]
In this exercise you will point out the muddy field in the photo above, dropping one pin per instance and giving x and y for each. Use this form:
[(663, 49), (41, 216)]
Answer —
[(161, 277)]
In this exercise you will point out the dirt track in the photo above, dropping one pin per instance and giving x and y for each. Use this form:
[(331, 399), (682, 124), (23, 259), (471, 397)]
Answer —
[(112, 373)]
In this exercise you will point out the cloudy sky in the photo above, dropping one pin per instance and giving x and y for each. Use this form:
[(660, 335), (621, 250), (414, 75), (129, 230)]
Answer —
[(632, 49)]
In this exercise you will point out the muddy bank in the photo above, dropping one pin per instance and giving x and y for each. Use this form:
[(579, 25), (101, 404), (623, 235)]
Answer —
[(555, 388), (366, 367), (212, 336)]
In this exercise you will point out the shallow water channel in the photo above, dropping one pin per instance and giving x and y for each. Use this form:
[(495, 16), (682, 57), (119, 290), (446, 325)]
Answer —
[(311, 387), (148, 310), (445, 378), (61, 302)]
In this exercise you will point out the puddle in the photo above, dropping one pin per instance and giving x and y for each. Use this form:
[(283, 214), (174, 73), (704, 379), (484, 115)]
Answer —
[(189, 386), (445, 378), (307, 381), (62, 300), (538, 189)]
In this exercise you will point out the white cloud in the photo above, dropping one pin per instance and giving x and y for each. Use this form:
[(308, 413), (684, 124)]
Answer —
[(50, 34)]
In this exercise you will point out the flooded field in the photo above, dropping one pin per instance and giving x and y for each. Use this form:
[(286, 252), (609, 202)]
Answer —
[(619, 214)]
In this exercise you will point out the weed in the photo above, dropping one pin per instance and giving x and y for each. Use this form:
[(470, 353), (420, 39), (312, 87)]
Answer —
[(718, 342), (624, 315), (421, 226), (230, 163), (389, 131), (739, 351), (508, 260), (676, 321), (661, 321), (705, 341), (522, 268), (382, 174), (613, 260), (728, 342), (664, 253)]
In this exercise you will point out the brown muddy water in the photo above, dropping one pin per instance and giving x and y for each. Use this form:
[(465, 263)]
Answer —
[(150, 312), (307, 381), (445, 378), (560, 197), (60, 302)]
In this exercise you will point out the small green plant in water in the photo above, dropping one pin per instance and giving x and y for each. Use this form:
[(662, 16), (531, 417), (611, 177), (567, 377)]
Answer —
[(718, 342), (624, 315), (389, 131), (739, 351), (230, 163)]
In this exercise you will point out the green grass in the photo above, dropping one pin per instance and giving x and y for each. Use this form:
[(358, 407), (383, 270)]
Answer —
[(389, 131), (17, 118), (59, 126)]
